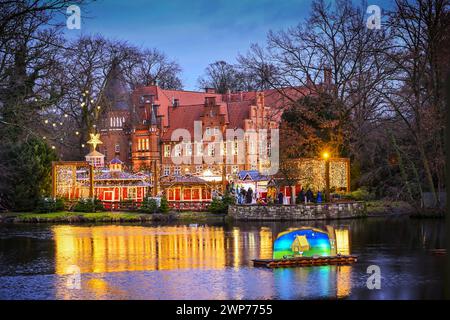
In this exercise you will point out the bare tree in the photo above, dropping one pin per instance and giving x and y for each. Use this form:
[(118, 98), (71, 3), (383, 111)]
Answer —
[(332, 52), (416, 94), (150, 66), (221, 76)]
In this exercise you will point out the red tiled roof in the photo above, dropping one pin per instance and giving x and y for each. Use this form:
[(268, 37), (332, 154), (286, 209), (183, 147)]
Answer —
[(182, 117), (237, 113), (234, 106)]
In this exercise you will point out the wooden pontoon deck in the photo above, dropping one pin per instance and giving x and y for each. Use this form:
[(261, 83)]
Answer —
[(305, 261)]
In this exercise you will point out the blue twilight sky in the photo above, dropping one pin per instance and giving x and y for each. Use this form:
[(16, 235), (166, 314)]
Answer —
[(193, 32)]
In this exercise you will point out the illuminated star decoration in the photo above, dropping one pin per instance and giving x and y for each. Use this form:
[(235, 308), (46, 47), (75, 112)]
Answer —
[(95, 140)]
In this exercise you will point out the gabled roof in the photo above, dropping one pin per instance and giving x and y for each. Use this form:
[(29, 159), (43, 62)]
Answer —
[(234, 107), (95, 153), (252, 175), (187, 179), (116, 161)]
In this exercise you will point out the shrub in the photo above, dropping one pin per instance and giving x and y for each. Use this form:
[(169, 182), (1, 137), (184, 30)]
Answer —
[(88, 205), (359, 195), (127, 204), (220, 205), (46, 205), (164, 206), (149, 206)]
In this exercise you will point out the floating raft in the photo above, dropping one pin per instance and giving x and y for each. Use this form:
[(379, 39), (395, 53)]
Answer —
[(305, 261)]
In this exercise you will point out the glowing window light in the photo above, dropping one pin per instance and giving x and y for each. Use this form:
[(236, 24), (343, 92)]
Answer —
[(342, 241)]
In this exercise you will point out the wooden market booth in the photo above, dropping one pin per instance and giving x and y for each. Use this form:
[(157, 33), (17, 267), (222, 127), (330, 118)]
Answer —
[(188, 192)]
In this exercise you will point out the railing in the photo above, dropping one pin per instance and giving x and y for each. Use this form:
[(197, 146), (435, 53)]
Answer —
[(134, 206), (121, 205), (189, 205)]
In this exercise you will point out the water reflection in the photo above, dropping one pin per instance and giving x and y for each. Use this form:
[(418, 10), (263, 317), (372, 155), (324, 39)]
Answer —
[(214, 262), (132, 248), (108, 249)]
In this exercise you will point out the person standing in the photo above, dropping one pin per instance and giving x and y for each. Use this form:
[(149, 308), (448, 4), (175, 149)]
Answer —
[(280, 198), (249, 195), (319, 197), (309, 195), (243, 194), (301, 197)]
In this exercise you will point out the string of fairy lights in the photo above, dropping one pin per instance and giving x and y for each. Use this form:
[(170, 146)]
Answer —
[(86, 102), (312, 173)]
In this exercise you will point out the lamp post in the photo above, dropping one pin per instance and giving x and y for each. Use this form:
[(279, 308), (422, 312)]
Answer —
[(326, 157)]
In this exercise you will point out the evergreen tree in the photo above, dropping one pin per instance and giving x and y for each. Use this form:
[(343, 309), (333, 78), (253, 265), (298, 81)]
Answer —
[(25, 174)]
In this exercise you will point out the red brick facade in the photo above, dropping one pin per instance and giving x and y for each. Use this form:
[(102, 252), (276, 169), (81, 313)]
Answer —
[(141, 135)]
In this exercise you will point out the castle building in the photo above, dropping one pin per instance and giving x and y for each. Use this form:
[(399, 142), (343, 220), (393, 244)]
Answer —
[(142, 129), (175, 133)]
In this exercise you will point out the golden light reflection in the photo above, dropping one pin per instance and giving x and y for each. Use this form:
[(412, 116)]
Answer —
[(236, 239), (266, 243), (103, 249), (343, 285), (342, 241), (133, 248)]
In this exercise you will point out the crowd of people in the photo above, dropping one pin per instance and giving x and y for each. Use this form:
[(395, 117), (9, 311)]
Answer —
[(249, 196)]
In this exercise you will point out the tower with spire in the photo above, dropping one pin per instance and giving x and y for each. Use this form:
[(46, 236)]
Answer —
[(115, 124)]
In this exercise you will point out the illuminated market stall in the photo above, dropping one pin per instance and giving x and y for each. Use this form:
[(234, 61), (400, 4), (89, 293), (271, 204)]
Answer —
[(189, 192)]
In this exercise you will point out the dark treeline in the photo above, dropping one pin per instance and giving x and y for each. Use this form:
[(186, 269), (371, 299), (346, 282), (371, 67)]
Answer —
[(384, 108), (51, 92)]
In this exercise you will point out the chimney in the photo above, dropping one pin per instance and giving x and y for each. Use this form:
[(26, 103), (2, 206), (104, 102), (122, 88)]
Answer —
[(210, 90), (327, 76), (210, 101)]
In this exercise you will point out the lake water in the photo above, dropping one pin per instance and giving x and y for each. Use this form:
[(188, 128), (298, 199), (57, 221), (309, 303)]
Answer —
[(213, 261)]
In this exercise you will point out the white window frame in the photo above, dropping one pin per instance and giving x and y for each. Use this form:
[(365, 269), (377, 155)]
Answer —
[(189, 149), (167, 150), (166, 171), (178, 150)]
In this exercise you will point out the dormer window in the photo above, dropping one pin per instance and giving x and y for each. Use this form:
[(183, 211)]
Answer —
[(175, 102), (146, 99)]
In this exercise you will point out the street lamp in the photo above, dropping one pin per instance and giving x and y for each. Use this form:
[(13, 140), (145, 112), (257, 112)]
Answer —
[(326, 157)]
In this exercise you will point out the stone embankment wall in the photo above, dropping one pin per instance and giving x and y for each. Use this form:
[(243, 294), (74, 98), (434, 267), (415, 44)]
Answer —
[(299, 212)]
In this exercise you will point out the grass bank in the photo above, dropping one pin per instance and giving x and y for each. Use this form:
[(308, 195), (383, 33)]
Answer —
[(385, 207), (78, 217)]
